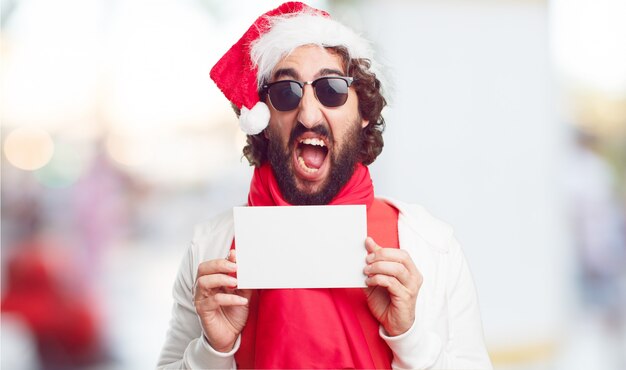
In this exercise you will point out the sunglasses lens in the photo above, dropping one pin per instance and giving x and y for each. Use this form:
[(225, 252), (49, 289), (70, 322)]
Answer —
[(332, 92), (285, 95)]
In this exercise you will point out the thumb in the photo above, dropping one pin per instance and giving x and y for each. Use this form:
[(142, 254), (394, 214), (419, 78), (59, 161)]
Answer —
[(232, 256), (371, 245)]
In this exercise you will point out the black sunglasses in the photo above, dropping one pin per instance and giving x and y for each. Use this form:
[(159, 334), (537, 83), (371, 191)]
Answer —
[(285, 95)]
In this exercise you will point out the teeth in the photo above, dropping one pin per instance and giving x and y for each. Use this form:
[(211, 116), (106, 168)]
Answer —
[(304, 167), (310, 141), (313, 141)]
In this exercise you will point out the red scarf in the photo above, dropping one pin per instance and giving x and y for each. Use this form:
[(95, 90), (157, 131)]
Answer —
[(264, 190), (317, 328)]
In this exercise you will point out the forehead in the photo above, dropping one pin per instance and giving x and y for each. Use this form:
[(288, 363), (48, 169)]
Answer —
[(309, 61)]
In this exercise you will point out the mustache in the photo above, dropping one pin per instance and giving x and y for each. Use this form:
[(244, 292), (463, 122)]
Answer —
[(300, 129)]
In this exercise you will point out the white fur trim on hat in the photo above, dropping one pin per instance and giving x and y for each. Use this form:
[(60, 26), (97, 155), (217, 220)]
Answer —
[(289, 32), (253, 121)]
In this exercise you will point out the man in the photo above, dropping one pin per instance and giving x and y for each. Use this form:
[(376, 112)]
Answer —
[(309, 99)]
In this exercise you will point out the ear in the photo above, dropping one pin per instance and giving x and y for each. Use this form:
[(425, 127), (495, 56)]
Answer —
[(364, 123)]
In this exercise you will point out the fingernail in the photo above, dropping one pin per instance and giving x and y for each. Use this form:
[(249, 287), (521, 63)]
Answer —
[(370, 257)]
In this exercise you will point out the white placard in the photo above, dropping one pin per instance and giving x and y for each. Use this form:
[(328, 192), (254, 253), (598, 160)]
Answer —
[(300, 246)]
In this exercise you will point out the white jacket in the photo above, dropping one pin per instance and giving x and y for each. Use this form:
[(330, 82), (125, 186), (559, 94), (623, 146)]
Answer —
[(447, 332)]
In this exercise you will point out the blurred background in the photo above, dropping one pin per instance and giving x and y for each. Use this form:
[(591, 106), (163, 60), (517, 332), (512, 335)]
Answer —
[(507, 119)]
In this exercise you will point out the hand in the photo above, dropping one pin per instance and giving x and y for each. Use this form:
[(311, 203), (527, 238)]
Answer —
[(393, 284), (223, 309)]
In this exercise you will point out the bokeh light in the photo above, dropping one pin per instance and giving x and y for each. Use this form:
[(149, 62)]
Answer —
[(129, 150), (66, 165), (28, 148)]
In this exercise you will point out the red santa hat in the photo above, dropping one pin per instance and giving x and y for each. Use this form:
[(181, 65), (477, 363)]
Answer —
[(249, 62)]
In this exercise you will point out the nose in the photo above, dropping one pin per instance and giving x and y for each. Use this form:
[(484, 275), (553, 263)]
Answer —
[(309, 112)]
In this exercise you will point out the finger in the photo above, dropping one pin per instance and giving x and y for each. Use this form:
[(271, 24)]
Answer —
[(206, 283), (394, 269), (393, 286), (224, 299), (216, 266), (393, 255), (247, 293), (386, 254)]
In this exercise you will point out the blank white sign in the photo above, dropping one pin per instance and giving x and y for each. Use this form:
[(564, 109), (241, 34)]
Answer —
[(300, 246)]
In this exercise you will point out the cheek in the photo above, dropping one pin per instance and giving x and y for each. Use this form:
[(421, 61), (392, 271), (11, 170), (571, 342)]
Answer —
[(280, 132), (281, 123), (343, 122)]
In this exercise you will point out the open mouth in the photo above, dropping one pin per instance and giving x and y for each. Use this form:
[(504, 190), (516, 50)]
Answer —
[(311, 154)]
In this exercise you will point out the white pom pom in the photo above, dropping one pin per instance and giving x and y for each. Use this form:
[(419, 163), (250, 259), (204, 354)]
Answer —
[(252, 121)]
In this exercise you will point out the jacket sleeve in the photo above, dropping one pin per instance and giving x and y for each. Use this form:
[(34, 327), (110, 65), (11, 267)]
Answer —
[(464, 348), (185, 346)]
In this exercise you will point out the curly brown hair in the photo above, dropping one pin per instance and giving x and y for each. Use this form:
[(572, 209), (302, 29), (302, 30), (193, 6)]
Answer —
[(371, 103)]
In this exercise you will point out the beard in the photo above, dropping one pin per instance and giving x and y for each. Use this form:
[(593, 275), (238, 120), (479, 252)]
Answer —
[(342, 164)]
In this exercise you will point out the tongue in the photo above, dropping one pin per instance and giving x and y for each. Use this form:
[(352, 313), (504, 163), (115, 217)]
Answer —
[(313, 156)]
